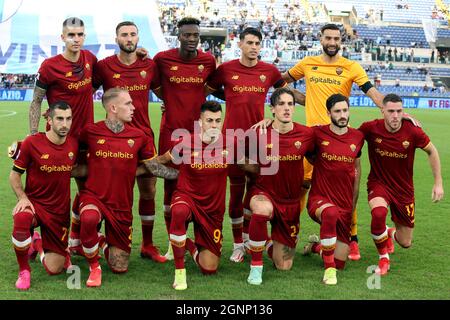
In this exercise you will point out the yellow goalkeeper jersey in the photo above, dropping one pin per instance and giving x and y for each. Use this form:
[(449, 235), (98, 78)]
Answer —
[(324, 79)]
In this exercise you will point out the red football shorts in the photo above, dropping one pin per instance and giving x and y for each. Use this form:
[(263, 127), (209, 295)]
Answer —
[(401, 212), (207, 225), (343, 224), (118, 224), (54, 229), (285, 219)]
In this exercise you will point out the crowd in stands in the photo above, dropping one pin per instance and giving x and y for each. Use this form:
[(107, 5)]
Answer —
[(288, 28), (17, 81)]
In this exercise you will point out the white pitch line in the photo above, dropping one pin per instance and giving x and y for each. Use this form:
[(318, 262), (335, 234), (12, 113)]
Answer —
[(8, 114)]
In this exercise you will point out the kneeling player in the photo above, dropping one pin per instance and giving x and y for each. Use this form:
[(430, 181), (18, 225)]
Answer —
[(200, 194), (392, 143), (275, 197), (48, 159), (335, 186), (114, 150)]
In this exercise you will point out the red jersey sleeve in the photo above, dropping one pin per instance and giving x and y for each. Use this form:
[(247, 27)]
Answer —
[(147, 151), (364, 128), (43, 79), (98, 75), (277, 79), (23, 160), (421, 138), (215, 81), (156, 81)]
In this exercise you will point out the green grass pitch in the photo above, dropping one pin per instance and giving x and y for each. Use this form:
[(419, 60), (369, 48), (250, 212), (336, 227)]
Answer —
[(420, 272)]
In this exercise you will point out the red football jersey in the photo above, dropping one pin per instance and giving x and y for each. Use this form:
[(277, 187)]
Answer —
[(112, 161), (286, 182), (182, 84), (138, 78), (246, 89), (48, 168), (334, 167), (391, 156), (70, 82), (203, 173)]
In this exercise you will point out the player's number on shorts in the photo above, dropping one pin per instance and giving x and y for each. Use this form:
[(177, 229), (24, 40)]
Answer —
[(65, 230), (217, 235), (410, 209), (294, 231)]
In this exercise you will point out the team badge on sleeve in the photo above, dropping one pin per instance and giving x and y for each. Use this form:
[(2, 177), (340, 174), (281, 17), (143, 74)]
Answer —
[(131, 143)]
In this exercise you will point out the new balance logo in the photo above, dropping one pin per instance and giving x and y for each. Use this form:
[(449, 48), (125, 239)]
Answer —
[(45, 156), (116, 76)]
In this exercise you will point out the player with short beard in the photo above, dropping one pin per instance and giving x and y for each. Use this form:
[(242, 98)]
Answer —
[(392, 143), (48, 159), (138, 76), (324, 75), (335, 186)]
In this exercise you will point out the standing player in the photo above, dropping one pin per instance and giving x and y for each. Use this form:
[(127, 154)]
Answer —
[(114, 149), (275, 197), (183, 72), (200, 194), (325, 75), (48, 159), (67, 77), (126, 70), (246, 82), (392, 143), (335, 185)]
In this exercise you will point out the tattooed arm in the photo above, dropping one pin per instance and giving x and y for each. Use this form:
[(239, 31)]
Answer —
[(158, 169), (35, 109)]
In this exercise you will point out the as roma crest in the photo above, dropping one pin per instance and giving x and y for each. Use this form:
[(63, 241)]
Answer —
[(262, 78), (70, 155), (88, 66), (143, 74), (201, 68), (297, 144), (225, 153), (352, 147), (339, 71), (131, 143), (405, 144)]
